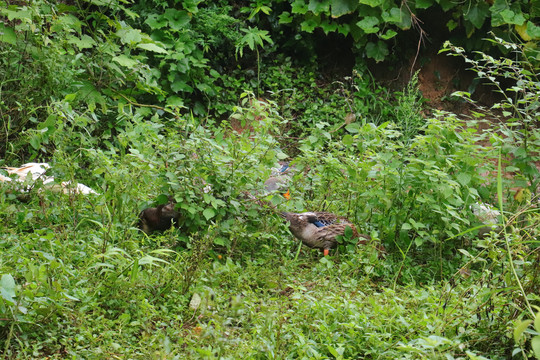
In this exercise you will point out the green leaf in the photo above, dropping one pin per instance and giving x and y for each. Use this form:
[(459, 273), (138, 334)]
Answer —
[(285, 18), (310, 24), (537, 322), (156, 21), (520, 327), (423, 4), (178, 19), (533, 30), (535, 344), (377, 51), (329, 27), (129, 36), (299, 7), (511, 17), (343, 7), (348, 232), (347, 140), (392, 16), (35, 142), (372, 3), (125, 60), (447, 4), (7, 288), (7, 35), (175, 101), (332, 351), (84, 42), (389, 34), (209, 213), (464, 178), (369, 24), (451, 25), (318, 6), (220, 241), (477, 14), (180, 85), (353, 128), (152, 47)]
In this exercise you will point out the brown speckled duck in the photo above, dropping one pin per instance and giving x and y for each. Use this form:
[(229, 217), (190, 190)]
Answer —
[(320, 229)]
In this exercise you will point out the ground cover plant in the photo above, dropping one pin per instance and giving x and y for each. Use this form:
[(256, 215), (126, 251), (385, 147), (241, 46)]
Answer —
[(202, 101)]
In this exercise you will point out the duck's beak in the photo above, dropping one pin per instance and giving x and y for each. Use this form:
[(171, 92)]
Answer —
[(326, 252)]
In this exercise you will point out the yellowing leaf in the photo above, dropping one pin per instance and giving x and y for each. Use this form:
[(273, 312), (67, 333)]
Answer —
[(522, 31)]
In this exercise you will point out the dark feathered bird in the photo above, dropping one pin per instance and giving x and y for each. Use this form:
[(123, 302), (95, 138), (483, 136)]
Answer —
[(320, 229), (159, 218)]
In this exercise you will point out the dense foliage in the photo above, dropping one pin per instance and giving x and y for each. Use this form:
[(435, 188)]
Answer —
[(200, 100)]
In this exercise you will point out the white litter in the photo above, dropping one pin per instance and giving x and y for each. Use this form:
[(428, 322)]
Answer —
[(37, 171)]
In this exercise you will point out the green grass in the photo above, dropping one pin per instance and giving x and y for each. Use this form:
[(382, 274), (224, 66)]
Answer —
[(96, 291)]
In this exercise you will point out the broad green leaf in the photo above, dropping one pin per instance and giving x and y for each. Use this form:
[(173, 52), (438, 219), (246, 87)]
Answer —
[(319, 6), (68, 23), (348, 232), (464, 178), (344, 29), (125, 60), (329, 27), (22, 13), (477, 14), (178, 19), (535, 343), (180, 85), (537, 322), (7, 287), (156, 21), (84, 42), (447, 4), (343, 7), (332, 351), (175, 101), (511, 17), (451, 25), (310, 24), (285, 18), (372, 3), (377, 51), (209, 213), (152, 47), (533, 30), (299, 7), (353, 128), (7, 35), (369, 24), (389, 34), (129, 36), (220, 241), (347, 140), (423, 4), (520, 327), (392, 16)]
